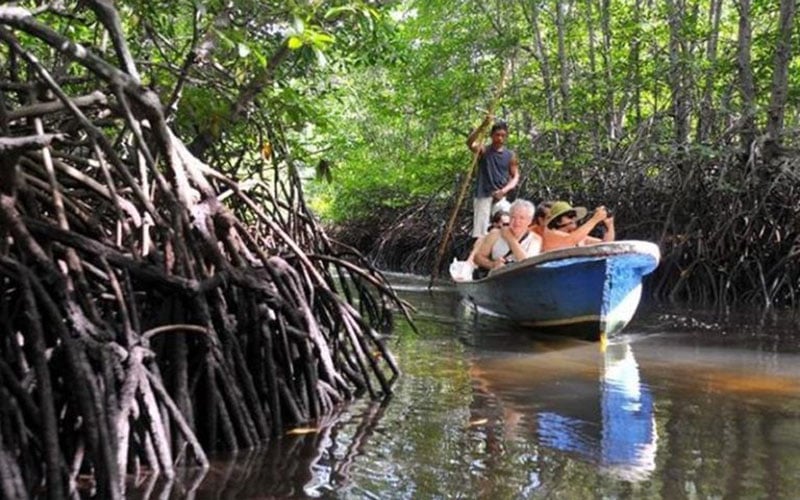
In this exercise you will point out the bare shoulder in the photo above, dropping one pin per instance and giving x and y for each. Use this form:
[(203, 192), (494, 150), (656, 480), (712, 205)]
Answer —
[(554, 233), (493, 236), (489, 240)]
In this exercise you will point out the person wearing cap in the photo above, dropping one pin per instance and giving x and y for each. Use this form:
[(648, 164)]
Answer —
[(510, 243), (562, 229), (498, 173)]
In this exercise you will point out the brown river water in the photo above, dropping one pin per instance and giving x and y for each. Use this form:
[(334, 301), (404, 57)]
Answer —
[(682, 404)]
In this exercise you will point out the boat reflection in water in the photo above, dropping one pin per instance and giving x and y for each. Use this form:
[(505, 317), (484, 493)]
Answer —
[(586, 400)]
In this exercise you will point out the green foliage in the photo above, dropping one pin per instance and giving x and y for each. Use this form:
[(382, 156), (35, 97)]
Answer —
[(384, 93), (408, 113)]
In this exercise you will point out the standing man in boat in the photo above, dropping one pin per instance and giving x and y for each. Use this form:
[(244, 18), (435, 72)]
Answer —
[(498, 174)]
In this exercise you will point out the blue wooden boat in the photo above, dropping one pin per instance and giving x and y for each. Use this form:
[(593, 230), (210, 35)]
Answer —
[(588, 291)]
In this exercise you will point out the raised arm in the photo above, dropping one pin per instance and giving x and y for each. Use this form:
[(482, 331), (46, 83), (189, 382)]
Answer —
[(472, 138), (533, 247), (611, 233), (555, 238)]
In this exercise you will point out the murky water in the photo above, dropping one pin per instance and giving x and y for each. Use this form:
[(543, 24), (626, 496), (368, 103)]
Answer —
[(681, 405)]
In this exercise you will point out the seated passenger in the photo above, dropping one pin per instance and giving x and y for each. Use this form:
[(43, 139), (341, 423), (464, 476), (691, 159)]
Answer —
[(540, 217), (499, 219), (510, 243), (563, 231)]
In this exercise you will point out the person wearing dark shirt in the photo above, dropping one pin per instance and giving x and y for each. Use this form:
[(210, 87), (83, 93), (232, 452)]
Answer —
[(498, 174)]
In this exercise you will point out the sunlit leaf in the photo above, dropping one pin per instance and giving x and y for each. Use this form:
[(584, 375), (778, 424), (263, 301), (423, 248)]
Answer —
[(298, 431), (321, 39)]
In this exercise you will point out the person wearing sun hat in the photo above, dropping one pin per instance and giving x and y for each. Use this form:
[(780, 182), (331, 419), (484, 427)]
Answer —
[(562, 229)]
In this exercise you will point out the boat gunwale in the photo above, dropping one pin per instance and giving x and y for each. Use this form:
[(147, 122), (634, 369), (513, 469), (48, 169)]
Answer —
[(595, 250)]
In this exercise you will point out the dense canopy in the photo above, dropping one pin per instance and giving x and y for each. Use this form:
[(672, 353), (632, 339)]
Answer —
[(681, 115)]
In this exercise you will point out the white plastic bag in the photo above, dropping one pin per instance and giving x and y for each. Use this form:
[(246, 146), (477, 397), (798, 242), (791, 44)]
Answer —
[(461, 270), (501, 205)]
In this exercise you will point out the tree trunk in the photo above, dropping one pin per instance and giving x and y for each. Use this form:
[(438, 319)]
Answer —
[(676, 10), (590, 30), (655, 53), (780, 77), (707, 119), (564, 80), (612, 121), (540, 53), (636, 48), (746, 80)]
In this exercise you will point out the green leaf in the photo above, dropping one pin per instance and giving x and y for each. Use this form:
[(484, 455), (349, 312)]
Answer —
[(336, 10), (295, 42), (321, 39)]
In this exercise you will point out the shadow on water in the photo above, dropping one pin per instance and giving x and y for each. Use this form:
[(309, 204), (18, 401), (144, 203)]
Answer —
[(682, 404)]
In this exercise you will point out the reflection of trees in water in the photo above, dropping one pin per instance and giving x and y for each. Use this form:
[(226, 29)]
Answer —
[(714, 440), (729, 416), (302, 465), (728, 447)]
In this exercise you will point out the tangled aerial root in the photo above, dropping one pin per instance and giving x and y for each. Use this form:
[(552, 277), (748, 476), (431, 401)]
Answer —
[(152, 309)]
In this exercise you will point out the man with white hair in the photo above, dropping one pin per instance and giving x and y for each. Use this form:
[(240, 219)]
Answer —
[(511, 243)]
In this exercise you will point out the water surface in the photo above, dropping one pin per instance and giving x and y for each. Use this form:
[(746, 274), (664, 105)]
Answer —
[(681, 405)]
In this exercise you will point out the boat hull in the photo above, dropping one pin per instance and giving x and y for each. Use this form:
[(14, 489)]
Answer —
[(586, 291)]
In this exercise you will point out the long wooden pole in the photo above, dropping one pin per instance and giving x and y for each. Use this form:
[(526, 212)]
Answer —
[(468, 178)]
